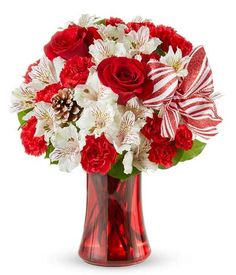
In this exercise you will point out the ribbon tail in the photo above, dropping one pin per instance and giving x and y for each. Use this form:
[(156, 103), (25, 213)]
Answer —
[(200, 115), (170, 120)]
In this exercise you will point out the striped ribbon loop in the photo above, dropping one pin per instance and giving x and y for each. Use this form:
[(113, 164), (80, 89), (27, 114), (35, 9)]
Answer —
[(165, 83), (200, 115), (191, 102), (199, 78)]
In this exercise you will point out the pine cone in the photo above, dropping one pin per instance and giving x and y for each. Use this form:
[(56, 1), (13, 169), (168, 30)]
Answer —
[(65, 107)]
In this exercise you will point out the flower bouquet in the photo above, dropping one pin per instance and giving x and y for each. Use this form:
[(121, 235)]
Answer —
[(119, 99)]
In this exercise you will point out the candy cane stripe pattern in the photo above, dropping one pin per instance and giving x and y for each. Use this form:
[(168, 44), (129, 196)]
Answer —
[(165, 83), (192, 101), (199, 78), (200, 115), (170, 120)]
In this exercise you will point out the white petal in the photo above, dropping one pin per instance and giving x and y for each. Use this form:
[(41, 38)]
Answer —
[(23, 98), (67, 165), (86, 120), (128, 162), (58, 64), (46, 72), (143, 34), (87, 20), (62, 135), (67, 148), (39, 129), (104, 49), (150, 46), (112, 33), (67, 161), (46, 119)]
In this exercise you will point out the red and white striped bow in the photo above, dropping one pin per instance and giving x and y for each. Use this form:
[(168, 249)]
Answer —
[(188, 100)]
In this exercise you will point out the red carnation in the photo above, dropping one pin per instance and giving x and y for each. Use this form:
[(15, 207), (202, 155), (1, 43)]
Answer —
[(97, 155), (35, 146), (29, 69), (147, 57), (170, 37), (75, 71), (48, 92), (137, 25), (183, 138), (114, 21), (152, 129), (72, 41), (162, 153), (125, 76)]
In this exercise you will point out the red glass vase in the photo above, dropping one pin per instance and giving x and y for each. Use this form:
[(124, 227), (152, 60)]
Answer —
[(114, 231)]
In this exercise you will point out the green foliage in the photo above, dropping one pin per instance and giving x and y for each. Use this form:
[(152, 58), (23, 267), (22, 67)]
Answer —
[(197, 148), (117, 170), (21, 116), (183, 155), (48, 152), (101, 22), (160, 51)]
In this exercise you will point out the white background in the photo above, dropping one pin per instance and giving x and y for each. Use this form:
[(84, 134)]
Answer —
[(189, 210)]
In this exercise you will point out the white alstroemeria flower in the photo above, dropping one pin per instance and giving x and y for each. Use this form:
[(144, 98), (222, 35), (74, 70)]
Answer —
[(46, 120), (140, 19), (124, 132), (104, 49), (97, 118), (138, 157), (140, 111), (23, 98), (46, 72), (67, 148), (87, 20), (93, 91), (176, 61), (115, 33), (140, 41)]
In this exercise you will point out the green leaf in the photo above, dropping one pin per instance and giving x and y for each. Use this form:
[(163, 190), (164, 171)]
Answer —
[(101, 22), (175, 160), (117, 170), (178, 156), (21, 116), (160, 51), (48, 152), (197, 148)]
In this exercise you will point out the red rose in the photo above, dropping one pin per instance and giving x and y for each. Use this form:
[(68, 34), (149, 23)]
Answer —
[(170, 37), (183, 138), (97, 155), (125, 76), (48, 92), (114, 21), (152, 129), (75, 71), (35, 146), (72, 41), (162, 153)]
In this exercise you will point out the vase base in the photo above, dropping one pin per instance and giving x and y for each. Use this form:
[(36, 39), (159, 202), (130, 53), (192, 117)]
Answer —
[(117, 263)]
